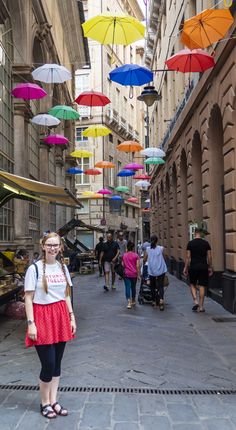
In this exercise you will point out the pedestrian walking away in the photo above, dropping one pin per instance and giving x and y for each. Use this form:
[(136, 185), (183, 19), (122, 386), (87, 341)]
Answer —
[(198, 266), (122, 243), (156, 269), (109, 255), (131, 263), (50, 319), (98, 250)]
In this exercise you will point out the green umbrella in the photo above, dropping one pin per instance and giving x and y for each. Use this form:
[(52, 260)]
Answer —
[(122, 189), (154, 160), (64, 112)]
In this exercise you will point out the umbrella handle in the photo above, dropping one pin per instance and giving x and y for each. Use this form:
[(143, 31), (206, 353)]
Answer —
[(131, 92), (228, 3)]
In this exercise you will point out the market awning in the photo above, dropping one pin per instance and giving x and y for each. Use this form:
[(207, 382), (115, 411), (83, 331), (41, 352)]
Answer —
[(13, 186)]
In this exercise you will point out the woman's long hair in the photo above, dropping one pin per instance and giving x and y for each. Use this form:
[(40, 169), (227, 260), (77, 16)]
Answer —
[(154, 240), (130, 245), (61, 261)]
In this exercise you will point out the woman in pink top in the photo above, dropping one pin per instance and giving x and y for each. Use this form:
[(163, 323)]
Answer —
[(131, 263)]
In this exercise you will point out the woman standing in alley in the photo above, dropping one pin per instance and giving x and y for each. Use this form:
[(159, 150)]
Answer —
[(156, 270), (50, 319), (131, 263)]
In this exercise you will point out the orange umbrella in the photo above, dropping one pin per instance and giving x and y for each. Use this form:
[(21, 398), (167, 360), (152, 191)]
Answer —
[(206, 28), (129, 146), (105, 164)]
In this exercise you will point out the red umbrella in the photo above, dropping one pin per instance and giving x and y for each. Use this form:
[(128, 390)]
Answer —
[(132, 200), (186, 60), (92, 172), (92, 98), (142, 176)]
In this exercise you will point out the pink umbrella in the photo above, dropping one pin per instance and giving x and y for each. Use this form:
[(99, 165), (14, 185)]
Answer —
[(28, 91), (104, 191), (56, 139), (134, 166)]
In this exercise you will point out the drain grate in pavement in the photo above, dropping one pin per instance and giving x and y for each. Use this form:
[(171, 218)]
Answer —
[(121, 390), (224, 319)]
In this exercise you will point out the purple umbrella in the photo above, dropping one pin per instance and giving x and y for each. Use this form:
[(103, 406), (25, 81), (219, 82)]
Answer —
[(133, 166), (56, 139), (28, 91)]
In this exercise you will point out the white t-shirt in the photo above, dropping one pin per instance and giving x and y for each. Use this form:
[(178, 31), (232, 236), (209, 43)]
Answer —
[(55, 279), (156, 263)]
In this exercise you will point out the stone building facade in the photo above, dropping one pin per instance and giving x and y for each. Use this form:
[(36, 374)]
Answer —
[(197, 184), (32, 33)]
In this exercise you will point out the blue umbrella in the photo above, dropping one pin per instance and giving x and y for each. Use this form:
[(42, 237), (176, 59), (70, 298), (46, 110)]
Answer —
[(127, 172), (131, 74), (74, 170), (116, 197)]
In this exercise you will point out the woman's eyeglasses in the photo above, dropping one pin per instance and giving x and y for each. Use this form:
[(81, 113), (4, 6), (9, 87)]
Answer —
[(49, 245)]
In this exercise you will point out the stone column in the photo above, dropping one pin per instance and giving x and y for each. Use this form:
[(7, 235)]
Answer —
[(60, 219), (44, 150)]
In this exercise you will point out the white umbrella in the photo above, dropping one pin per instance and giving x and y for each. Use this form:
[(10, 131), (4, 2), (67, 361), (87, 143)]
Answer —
[(45, 120), (142, 184), (147, 201), (51, 74), (153, 152)]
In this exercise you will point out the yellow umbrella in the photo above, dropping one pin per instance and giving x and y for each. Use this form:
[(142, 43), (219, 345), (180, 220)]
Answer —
[(88, 193), (81, 153), (114, 29), (96, 130)]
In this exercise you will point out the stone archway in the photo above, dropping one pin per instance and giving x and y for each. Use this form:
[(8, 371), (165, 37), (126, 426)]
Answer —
[(196, 161), (161, 213), (167, 211), (183, 209), (216, 192)]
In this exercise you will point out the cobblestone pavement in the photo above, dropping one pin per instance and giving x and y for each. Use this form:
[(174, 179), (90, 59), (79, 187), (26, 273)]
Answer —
[(139, 348)]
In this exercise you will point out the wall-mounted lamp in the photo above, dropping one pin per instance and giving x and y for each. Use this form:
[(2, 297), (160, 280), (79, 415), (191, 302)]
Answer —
[(149, 95)]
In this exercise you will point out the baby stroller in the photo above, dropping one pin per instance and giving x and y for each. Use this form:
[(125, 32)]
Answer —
[(144, 295)]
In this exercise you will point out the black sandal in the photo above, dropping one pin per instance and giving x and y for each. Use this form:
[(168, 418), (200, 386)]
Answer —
[(47, 411), (195, 308), (62, 411)]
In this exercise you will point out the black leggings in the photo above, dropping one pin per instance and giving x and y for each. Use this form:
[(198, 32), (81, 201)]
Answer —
[(50, 357), (157, 285)]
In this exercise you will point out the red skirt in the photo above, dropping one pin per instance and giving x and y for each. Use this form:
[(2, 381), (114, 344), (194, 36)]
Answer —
[(53, 324)]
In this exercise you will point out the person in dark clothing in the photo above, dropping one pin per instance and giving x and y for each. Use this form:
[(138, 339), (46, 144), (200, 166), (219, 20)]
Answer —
[(98, 250), (110, 253), (198, 265)]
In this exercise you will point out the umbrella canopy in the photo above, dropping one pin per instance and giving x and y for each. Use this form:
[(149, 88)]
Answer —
[(92, 98), (97, 196), (92, 172), (104, 192), (45, 120), (88, 193), (96, 131), (122, 189), (207, 27), (142, 184), (105, 165), (126, 172), (133, 166), (154, 160), (131, 74), (74, 170), (114, 29), (190, 61), (56, 139), (143, 176), (81, 153), (129, 146), (51, 74), (153, 152), (28, 91), (64, 112), (132, 200), (116, 197)]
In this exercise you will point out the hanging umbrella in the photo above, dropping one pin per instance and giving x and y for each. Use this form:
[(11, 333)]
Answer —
[(206, 28), (132, 75), (105, 164), (129, 146), (154, 160), (92, 98), (74, 170), (153, 152), (116, 197), (56, 139), (143, 176), (45, 120), (64, 112), (126, 172), (122, 189), (51, 74), (92, 172), (133, 166), (96, 131), (81, 153), (142, 184), (147, 201), (114, 29), (88, 193), (104, 192), (132, 200), (28, 91), (186, 60), (97, 196)]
